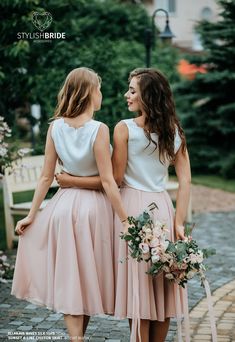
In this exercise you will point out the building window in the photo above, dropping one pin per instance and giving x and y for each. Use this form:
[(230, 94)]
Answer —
[(168, 5), (171, 6), (206, 13), (197, 42)]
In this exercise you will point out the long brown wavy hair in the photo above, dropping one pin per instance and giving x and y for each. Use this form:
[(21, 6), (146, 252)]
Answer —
[(75, 95), (157, 102)]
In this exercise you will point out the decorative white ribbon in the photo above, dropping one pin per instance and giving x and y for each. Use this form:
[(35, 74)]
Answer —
[(210, 309), (186, 313), (135, 303)]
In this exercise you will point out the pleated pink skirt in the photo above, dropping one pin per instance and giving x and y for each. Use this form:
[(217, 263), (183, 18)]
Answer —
[(65, 257), (139, 295)]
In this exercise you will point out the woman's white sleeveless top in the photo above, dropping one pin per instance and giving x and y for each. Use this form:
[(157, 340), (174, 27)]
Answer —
[(144, 170), (74, 147)]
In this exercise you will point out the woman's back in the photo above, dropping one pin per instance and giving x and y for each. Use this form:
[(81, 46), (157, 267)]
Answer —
[(74, 146)]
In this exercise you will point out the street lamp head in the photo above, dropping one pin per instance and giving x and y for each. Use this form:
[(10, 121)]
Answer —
[(166, 34), (150, 34)]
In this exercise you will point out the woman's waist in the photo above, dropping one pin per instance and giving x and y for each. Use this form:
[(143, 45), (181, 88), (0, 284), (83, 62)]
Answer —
[(74, 171), (149, 185), (142, 188)]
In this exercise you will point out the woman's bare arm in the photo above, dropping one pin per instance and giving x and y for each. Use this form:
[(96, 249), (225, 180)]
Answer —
[(45, 180), (66, 180), (104, 164), (183, 172), (120, 152)]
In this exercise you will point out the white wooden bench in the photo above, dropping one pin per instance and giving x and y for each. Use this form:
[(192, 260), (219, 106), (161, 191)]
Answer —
[(22, 179)]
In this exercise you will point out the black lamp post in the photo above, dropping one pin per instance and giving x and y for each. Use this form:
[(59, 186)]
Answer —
[(150, 33)]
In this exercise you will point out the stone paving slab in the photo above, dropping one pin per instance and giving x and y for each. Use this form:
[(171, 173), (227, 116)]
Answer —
[(212, 230), (224, 312)]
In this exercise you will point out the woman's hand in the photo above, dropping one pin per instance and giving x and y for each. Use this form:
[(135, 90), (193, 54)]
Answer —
[(22, 225), (179, 232), (64, 180), (126, 225)]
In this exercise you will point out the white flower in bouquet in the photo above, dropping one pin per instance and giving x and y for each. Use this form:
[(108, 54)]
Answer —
[(154, 242), (145, 227), (155, 251), (157, 232), (164, 244), (164, 258), (184, 266), (200, 257), (155, 258), (165, 268), (170, 260), (158, 224), (191, 274), (196, 258), (159, 229), (169, 276), (146, 256), (144, 247), (147, 238)]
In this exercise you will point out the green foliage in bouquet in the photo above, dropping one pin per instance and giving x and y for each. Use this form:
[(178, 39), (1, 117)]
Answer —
[(134, 234)]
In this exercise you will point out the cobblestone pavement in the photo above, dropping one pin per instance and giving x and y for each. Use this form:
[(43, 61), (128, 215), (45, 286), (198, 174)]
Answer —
[(212, 230)]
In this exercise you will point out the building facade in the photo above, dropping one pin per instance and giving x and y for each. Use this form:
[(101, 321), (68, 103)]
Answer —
[(184, 16)]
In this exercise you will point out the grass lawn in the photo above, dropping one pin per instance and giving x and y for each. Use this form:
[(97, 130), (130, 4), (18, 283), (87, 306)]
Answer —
[(212, 182), (215, 182)]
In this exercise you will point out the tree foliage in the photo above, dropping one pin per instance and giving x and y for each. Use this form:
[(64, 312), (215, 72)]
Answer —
[(207, 103), (107, 36)]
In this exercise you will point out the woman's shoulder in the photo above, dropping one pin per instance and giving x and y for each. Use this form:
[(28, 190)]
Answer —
[(96, 123), (54, 125), (56, 122), (125, 123)]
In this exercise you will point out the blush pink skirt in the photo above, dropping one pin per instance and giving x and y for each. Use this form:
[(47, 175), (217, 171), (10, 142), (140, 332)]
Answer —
[(65, 257), (139, 295)]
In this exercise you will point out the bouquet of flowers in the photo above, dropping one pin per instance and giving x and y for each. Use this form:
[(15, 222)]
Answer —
[(180, 260)]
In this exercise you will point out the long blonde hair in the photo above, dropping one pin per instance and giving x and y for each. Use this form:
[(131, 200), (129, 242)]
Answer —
[(75, 95)]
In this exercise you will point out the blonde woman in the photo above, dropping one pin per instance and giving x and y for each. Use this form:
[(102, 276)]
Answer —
[(65, 253)]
